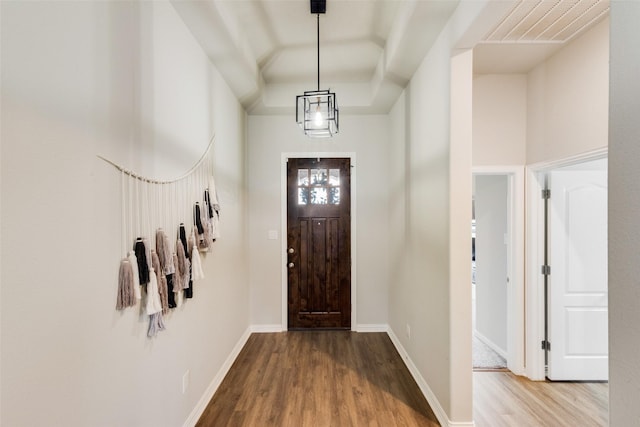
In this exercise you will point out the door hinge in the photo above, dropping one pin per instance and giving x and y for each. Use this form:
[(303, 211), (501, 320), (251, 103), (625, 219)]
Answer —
[(546, 194), (545, 270), (546, 345)]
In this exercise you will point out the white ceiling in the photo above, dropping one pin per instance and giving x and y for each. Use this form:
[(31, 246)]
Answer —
[(369, 49), (532, 31)]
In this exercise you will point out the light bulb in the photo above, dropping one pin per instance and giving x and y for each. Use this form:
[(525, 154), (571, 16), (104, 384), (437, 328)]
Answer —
[(318, 116)]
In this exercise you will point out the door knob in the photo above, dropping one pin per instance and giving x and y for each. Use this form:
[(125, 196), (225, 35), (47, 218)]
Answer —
[(291, 250), (291, 265)]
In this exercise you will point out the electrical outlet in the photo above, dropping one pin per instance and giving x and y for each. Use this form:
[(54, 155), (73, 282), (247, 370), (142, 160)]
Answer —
[(408, 331), (185, 381)]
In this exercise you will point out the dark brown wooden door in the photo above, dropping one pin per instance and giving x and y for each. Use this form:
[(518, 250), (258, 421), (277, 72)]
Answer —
[(319, 243)]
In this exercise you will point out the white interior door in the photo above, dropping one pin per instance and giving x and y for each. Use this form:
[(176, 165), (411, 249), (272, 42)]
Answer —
[(577, 254)]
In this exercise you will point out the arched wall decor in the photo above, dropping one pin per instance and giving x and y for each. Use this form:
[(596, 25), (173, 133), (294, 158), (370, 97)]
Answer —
[(166, 225)]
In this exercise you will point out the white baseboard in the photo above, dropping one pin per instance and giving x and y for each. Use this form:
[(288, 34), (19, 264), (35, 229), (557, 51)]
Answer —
[(424, 387), (493, 346), (461, 424), (261, 329), (433, 401), (195, 414), (372, 327)]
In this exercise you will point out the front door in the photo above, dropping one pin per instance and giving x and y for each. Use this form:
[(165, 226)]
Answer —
[(578, 329), (319, 243)]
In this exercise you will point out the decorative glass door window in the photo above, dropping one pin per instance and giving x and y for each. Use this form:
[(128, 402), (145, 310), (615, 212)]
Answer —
[(319, 186)]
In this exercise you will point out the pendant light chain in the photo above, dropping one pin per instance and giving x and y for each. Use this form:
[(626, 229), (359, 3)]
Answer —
[(318, 46)]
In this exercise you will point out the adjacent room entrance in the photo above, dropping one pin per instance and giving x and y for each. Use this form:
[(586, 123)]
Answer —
[(319, 243), (498, 285), (490, 281)]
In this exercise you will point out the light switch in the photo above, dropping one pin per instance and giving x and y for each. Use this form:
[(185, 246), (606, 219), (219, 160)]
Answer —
[(273, 234)]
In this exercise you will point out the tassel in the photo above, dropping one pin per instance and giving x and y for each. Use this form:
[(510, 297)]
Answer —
[(207, 199), (170, 267), (188, 291), (196, 263), (183, 265), (215, 204), (206, 235), (171, 297), (196, 266), (162, 282), (213, 191), (198, 219), (143, 266), (191, 241), (212, 216), (147, 253), (203, 243), (136, 277), (164, 252), (208, 227), (156, 324), (182, 233), (177, 278), (126, 296), (153, 297), (215, 221), (160, 248)]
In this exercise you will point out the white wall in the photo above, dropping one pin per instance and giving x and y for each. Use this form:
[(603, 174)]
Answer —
[(430, 169), (491, 193), (624, 211), (557, 110), (499, 119), (419, 296), (367, 137), (126, 80), (460, 192), (567, 99)]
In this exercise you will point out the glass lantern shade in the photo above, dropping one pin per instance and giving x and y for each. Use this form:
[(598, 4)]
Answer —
[(317, 113)]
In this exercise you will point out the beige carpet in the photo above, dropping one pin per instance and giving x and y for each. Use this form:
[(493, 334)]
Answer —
[(486, 358)]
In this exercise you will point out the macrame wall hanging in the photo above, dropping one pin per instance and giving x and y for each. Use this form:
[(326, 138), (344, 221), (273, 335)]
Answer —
[(165, 227)]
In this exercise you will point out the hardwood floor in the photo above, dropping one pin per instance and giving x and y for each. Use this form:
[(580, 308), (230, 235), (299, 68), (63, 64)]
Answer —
[(320, 378), (504, 399), (340, 378)]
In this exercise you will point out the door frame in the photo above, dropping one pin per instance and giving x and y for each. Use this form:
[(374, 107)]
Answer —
[(283, 227), (534, 282), (515, 265)]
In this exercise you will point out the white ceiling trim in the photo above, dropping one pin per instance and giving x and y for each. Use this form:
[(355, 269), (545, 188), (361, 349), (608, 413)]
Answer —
[(266, 49), (367, 59)]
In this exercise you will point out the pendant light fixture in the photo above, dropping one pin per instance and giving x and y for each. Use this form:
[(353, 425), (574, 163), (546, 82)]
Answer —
[(317, 110)]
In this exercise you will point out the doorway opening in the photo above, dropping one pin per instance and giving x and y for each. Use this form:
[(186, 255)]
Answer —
[(490, 276), (498, 269)]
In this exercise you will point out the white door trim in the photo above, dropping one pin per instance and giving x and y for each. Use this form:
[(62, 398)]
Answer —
[(283, 226), (535, 369), (516, 290)]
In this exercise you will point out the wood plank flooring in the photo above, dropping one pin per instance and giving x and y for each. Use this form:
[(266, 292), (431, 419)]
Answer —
[(319, 378), (340, 378), (503, 399)]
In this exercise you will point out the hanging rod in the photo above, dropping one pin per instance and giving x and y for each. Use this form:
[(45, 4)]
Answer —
[(156, 181)]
